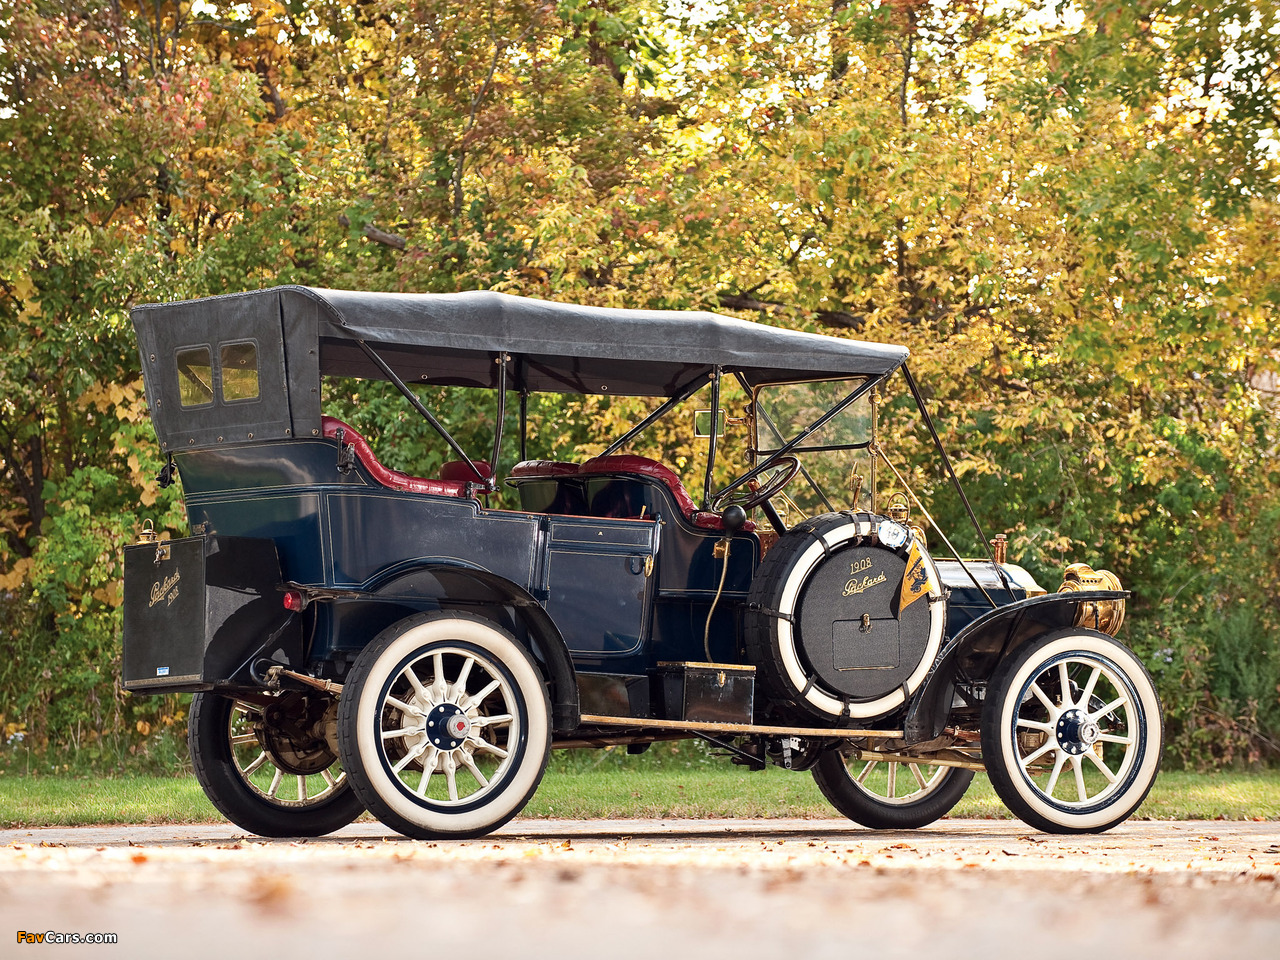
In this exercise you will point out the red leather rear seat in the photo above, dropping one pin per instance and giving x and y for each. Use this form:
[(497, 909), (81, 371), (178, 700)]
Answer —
[(458, 471), (390, 478)]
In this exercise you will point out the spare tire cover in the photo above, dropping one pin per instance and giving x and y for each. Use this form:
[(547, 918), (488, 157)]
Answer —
[(838, 625)]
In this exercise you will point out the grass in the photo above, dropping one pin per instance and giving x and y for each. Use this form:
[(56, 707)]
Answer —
[(728, 791), (668, 781), (47, 801)]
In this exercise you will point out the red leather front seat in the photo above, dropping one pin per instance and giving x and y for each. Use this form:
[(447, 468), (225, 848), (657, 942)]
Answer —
[(628, 463), (542, 468)]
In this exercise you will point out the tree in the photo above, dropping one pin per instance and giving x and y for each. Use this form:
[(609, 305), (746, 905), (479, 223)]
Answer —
[(1067, 213)]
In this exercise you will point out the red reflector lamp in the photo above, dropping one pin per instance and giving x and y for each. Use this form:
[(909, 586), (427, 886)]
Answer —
[(294, 600)]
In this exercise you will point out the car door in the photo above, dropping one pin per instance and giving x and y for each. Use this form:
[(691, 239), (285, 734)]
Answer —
[(598, 580)]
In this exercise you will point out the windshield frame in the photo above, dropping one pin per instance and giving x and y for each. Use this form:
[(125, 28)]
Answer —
[(865, 387)]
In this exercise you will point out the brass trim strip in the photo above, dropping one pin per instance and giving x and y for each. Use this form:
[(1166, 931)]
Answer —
[(921, 761), (739, 667), (830, 733)]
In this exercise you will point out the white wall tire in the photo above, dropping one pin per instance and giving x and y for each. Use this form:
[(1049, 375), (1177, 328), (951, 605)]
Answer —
[(444, 726), (1072, 732)]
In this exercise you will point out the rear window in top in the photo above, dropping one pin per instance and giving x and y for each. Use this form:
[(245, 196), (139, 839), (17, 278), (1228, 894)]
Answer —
[(195, 376), (239, 363)]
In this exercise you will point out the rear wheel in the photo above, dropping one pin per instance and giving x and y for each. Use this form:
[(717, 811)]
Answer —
[(269, 767), (1072, 732), (444, 726), (890, 796)]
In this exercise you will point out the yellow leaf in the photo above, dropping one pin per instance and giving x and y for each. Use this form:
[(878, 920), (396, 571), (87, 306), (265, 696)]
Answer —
[(178, 245), (17, 574)]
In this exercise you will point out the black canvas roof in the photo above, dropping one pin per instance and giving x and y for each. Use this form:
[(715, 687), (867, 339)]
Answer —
[(455, 338)]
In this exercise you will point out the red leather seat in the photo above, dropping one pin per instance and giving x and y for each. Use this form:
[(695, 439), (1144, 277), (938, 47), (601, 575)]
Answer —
[(457, 471), (390, 478), (628, 463), (542, 468), (714, 521)]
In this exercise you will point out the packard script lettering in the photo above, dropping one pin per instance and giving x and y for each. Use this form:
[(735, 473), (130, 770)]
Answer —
[(858, 586), (165, 590)]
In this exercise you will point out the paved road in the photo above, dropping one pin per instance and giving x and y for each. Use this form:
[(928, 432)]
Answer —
[(641, 888)]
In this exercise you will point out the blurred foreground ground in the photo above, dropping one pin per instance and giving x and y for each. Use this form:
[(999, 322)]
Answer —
[(642, 888)]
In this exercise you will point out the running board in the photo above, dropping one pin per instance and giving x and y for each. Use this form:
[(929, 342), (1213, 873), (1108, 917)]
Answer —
[(829, 733)]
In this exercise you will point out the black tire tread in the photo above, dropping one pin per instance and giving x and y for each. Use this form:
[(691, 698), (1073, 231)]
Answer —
[(832, 777), (215, 771)]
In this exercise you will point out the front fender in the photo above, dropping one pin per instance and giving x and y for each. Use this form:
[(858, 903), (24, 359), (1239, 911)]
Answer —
[(973, 653)]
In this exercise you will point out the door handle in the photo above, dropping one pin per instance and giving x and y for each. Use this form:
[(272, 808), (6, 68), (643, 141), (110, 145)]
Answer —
[(640, 563)]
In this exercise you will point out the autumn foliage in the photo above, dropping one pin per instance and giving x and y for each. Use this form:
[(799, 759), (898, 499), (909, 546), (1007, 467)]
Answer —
[(1068, 212)]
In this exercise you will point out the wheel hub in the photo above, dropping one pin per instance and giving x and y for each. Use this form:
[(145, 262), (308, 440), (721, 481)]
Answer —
[(448, 727), (1076, 733), (291, 731)]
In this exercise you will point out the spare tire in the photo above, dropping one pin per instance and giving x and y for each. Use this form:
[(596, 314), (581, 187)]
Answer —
[(844, 619)]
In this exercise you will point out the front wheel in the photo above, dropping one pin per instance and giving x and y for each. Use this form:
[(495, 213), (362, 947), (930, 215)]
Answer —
[(444, 726), (1072, 732), (887, 795), (268, 766)]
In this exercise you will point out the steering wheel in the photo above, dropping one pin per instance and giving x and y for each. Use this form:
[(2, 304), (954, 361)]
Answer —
[(782, 472)]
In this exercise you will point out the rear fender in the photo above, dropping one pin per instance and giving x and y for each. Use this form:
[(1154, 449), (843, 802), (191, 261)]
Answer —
[(456, 586), (973, 654)]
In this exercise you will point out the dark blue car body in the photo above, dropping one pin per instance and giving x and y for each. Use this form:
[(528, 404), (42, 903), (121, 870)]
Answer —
[(646, 614)]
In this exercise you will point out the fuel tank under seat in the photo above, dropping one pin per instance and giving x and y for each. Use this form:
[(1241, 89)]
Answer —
[(394, 478)]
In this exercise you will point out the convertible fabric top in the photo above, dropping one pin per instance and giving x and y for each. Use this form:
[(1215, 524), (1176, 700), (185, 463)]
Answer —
[(456, 338)]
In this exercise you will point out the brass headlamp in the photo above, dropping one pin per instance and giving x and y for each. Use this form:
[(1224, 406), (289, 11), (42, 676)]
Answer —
[(1104, 615)]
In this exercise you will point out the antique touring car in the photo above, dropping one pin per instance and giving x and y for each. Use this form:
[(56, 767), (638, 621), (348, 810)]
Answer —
[(361, 638)]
